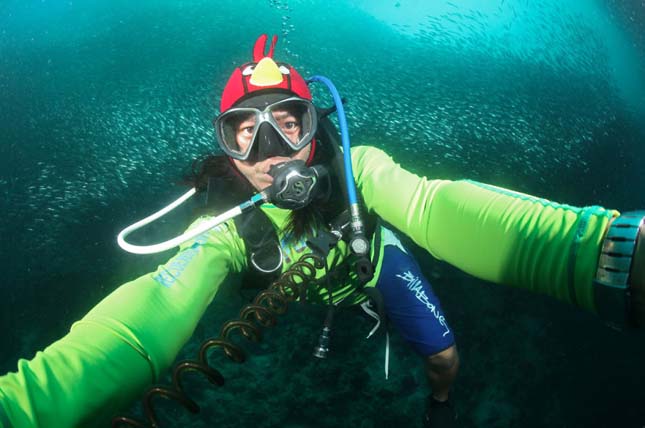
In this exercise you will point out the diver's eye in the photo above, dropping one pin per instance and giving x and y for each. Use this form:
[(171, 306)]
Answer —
[(248, 70)]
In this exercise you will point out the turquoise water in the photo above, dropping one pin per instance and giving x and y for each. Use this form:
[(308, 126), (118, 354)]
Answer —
[(103, 104)]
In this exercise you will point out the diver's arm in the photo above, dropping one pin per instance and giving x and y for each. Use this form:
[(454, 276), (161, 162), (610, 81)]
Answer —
[(492, 233), (122, 344)]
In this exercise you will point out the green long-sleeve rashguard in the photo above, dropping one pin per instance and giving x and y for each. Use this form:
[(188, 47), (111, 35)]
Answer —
[(126, 341)]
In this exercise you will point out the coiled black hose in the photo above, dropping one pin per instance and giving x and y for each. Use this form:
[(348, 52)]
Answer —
[(261, 312)]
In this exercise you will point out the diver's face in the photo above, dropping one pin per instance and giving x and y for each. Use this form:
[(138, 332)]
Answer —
[(258, 172)]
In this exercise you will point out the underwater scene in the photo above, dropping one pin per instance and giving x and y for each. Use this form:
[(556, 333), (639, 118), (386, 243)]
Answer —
[(104, 105)]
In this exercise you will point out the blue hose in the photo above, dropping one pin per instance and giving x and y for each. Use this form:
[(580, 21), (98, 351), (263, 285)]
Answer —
[(344, 134)]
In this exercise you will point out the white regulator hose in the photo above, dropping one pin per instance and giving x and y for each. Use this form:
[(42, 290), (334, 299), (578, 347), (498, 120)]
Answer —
[(163, 246)]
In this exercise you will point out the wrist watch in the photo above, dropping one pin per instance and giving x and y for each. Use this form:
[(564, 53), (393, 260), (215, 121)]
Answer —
[(618, 293)]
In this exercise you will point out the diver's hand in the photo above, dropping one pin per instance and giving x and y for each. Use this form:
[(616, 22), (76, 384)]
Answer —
[(637, 282)]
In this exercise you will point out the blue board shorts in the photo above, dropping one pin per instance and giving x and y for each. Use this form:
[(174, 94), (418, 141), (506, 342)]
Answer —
[(409, 302)]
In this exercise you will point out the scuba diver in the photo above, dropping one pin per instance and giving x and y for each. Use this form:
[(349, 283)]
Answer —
[(284, 189)]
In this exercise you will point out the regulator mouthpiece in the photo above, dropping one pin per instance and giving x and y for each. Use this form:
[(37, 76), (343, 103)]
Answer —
[(295, 185)]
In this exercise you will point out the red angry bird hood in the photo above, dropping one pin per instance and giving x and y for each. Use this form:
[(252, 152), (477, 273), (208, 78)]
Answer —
[(263, 73)]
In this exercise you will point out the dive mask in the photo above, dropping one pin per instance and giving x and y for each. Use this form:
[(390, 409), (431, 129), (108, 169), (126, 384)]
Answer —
[(285, 125)]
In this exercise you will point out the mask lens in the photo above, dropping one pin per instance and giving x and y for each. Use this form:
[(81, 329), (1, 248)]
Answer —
[(236, 130), (295, 120)]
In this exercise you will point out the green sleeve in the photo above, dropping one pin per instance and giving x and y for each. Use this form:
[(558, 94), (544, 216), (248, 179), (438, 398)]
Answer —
[(123, 344), (492, 233)]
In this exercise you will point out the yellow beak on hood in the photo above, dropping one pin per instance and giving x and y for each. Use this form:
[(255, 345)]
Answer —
[(266, 73)]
